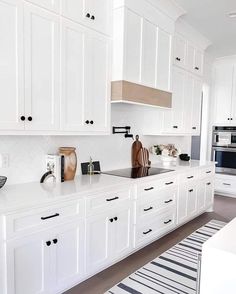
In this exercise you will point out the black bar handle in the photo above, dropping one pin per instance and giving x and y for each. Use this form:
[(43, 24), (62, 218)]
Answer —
[(226, 184), (112, 199), (167, 222), (208, 172), (149, 231), (50, 216), (208, 184), (170, 183), (149, 189), (191, 190), (191, 177), (147, 209), (168, 201)]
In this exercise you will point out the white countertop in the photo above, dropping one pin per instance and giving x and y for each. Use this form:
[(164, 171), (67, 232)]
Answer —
[(27, 195)]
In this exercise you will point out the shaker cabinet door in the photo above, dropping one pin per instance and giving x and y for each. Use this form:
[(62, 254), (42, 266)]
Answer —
[(11, 65), (42, 69), (180, 51), (196, 107)]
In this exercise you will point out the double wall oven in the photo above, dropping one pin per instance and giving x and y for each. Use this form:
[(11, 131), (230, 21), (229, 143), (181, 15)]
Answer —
[(224, 149)]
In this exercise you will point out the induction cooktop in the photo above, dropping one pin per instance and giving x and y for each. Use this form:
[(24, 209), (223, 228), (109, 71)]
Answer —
[(137, 172)]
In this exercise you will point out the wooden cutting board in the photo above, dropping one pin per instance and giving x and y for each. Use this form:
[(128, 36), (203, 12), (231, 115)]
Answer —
[(136, 147), (143, 157)]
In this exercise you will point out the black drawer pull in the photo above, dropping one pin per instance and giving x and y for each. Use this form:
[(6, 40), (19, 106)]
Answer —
[(147, 209), (170, 183), (208, 184), (149, 231), (194, 128), (149, 189), (226, 184), (178, 59), (208, 172), (50, 216), (191, 177), (168, 201), (191, 190), (112, 199), (175, 127), (197, 68), (167, 222)]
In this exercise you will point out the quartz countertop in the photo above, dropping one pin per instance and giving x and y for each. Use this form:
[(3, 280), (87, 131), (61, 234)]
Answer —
[(13, 197)]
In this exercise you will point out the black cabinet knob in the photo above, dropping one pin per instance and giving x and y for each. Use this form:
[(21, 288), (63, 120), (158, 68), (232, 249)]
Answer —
[(175, 127), (178, 59), (22, 118), (55, 241), (30, 118), (93, 17), (116, 218), (197, 68), (111, 220), (194, 128), (88, 15), (91, 122), (87, 122), (48, 243)]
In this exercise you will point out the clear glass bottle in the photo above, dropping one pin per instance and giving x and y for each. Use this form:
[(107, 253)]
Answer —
[(90, 167)]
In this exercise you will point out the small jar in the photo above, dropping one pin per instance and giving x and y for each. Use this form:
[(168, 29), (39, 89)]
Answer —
[(70, 162)]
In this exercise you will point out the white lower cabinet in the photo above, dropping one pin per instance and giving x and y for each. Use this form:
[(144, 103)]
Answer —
[(46, 262), (108, 237)]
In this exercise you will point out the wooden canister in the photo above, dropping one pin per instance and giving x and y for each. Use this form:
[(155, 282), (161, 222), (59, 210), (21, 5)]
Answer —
[(70, 162)]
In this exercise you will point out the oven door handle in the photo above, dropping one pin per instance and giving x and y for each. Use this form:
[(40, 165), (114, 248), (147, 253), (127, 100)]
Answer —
[(224, 149)]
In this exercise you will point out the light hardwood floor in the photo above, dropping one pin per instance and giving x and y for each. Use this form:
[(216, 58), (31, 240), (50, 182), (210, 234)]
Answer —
[(224, 209)]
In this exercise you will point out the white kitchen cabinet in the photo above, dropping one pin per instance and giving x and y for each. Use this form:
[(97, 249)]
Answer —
[(195, 58), (92, 13), (52, 259), (85, 79), (142, 51), (192, 200), (182, 203), (173, 119), (42, 69), (224, 93), (11, 65), (180, 51), (209, 193), (196, 107), (53, 5), (108, 238)]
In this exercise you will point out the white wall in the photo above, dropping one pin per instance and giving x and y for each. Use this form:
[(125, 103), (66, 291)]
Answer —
[(26, 153)]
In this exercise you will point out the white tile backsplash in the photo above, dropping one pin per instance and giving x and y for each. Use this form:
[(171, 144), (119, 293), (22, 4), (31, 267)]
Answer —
[(27, 153)]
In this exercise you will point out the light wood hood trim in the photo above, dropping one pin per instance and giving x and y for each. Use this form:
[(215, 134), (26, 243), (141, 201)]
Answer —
[(124, 91)]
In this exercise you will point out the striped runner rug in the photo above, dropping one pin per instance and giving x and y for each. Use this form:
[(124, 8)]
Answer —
[(175, 271)]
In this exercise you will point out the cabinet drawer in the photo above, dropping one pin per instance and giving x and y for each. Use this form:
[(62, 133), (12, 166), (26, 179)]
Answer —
[(27, 222), (166, 199), (206, 172), (107, 200), (155, 226), (225, 185), (191, 175), (152, 188)]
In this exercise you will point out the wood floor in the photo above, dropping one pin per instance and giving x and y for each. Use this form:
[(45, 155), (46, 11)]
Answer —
[(225, 210)]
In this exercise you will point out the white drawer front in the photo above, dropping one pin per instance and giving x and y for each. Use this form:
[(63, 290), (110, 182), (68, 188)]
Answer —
[(189, 176), (27, 222), (225, 185), (152, 188), (155, 226), (165, 199), (107, 200), (206, 172)]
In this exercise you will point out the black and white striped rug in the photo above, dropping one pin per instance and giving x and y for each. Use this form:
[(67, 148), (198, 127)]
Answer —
[(173, 272)]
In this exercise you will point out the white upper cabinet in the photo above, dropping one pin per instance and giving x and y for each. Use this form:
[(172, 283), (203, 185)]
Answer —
[(92, 13), (194, 59), (11, 65), (53, 5), (196, 107), (42, 69), (224, 94), (180, 51), (199, 59), (142, 51)]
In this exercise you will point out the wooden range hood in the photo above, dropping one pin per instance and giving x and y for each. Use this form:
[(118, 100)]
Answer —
[(127, 92)]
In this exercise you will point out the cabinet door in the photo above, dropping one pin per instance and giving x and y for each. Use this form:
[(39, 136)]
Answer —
[(68, 255), (190, 57), (173, 119), (198, 65), (196, 107), (223, 93), (188, 103), (182, 205), (164, 61), (201, 195), (233, 108), (42, 69), (92, 13), (180, 51), (121, 233), (132, 46), (11, 65), (98, 242), (97, 82), (192, 201), (28, 266), (72, 98), (53, 5), (149, 51), (209, 193)]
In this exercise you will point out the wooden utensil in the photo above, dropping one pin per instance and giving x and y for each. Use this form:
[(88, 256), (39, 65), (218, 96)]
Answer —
[(143, 157)]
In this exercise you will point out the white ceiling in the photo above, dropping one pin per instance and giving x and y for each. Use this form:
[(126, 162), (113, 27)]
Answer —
[(210, 19)]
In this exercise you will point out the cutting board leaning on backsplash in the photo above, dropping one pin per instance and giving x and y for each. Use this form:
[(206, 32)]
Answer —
[(140, 155)]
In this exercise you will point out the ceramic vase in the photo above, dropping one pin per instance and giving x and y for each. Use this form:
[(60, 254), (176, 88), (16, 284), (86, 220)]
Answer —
[(70, 162)]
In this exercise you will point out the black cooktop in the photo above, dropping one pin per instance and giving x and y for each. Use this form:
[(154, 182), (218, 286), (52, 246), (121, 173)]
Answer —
[(137, 172)]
